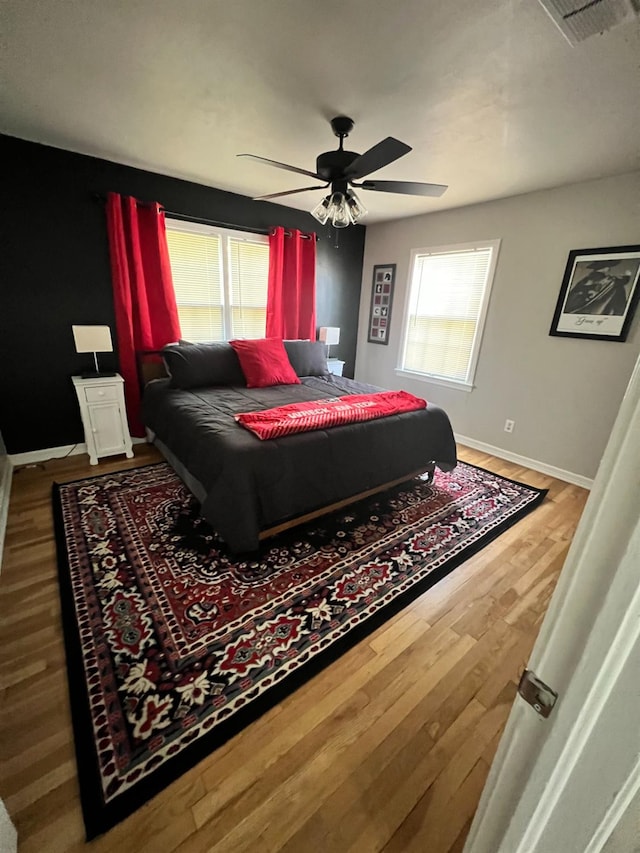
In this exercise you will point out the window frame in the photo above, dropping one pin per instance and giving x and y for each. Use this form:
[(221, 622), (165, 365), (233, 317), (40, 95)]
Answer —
[(224, 234), (468, 383)]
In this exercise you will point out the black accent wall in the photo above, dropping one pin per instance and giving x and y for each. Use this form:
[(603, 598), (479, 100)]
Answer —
[(56, 272)]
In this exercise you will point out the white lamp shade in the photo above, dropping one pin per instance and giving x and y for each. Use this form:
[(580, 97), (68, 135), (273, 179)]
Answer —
[(92, 338), (330, 335)]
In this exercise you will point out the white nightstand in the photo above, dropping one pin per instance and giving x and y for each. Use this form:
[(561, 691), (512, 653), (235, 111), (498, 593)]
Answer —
[(335, 366), (104, 416)]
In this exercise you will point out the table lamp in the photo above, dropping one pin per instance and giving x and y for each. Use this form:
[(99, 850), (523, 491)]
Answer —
[(93, 339), (330, 335)]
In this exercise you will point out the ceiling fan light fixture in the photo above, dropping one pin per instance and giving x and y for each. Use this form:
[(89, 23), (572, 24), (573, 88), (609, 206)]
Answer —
[(342, 209), (356, 208), (321, 210), (338, 211)]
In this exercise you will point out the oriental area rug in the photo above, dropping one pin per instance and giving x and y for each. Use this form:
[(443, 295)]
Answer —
[(174, 645)]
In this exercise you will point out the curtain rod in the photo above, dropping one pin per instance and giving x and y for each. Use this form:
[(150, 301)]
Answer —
[(185, 217)]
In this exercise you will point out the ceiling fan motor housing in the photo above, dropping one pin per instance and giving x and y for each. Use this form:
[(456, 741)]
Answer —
[(331, 164)]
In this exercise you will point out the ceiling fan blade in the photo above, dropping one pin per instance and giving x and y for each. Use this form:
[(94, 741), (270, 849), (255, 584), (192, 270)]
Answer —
[(289, 192), (375, 158), (404, 187), (281, 165)]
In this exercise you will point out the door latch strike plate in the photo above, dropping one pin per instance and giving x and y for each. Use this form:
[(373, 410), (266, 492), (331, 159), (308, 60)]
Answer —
[(534, 691)]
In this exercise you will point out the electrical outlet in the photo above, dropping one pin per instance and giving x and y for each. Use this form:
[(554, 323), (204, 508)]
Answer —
[(509, 425)]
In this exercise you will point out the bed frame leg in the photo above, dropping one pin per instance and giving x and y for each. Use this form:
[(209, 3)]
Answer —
[(430, 471)]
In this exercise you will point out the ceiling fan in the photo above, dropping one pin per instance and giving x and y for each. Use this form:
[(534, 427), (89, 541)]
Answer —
[(341, 169)]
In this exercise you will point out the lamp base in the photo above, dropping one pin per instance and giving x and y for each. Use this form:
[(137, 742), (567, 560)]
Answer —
[(94, 374)]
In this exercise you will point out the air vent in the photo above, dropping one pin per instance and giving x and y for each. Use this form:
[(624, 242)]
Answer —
[(579, 19)]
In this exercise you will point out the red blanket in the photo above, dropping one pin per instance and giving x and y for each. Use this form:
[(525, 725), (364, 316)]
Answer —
[(320, 414)]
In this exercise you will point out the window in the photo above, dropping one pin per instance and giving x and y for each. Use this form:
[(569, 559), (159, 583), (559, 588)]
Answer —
[(220, 281), (446, 307)]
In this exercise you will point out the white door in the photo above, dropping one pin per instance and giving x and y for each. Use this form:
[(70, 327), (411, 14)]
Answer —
[(561, 785)]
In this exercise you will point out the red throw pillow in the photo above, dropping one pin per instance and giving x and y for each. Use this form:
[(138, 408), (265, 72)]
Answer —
[(265, 362)]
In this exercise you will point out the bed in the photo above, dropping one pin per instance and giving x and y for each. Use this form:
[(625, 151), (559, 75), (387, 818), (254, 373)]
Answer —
[(249, 488)]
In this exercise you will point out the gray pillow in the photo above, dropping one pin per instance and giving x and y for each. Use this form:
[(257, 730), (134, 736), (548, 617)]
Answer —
[(202, 365), (308, 358)]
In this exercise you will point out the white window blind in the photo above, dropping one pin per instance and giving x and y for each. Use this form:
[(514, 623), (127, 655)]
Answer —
[(220, 280), (249, 274), (196, 268), (448, 296)]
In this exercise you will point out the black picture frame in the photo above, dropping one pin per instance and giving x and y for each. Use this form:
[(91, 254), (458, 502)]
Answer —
[(382, 287), (599, 294)]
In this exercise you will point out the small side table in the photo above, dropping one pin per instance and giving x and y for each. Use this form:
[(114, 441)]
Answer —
[(104, 416), (335, 366)]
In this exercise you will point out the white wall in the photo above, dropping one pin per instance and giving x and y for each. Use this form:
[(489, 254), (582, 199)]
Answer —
[(562, 393)]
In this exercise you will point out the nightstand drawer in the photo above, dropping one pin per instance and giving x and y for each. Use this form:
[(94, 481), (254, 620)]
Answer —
[(101, 393)]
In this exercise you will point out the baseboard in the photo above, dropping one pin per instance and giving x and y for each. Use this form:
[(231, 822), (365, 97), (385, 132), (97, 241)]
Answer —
[(33, 456), (6, 472), (542, 467), (8, 833)]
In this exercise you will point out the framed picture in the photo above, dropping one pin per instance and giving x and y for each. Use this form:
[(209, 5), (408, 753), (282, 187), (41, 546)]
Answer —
[(599, 294), (384, 277)]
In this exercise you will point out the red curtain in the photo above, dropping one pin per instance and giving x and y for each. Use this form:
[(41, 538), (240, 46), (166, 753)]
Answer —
[(145, 303), (291, 296)]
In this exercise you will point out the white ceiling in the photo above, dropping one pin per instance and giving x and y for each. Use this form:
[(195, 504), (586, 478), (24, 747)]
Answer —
[(488, 93)]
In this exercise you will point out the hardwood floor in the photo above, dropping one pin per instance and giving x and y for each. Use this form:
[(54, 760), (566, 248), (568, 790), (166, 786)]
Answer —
[(387, 749)]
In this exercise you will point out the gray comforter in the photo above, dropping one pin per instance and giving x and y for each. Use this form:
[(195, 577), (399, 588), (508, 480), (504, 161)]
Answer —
[(248, 484)]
